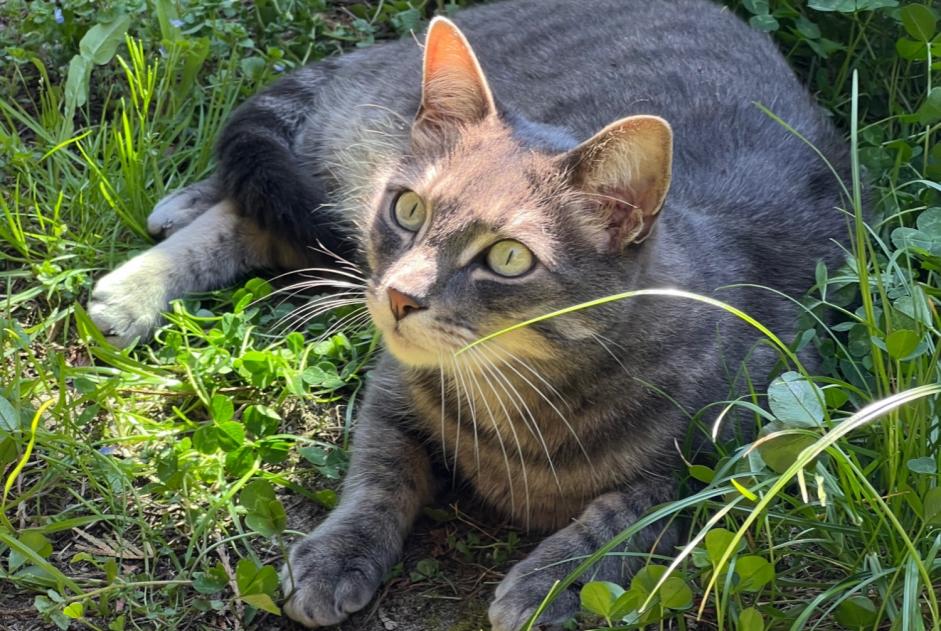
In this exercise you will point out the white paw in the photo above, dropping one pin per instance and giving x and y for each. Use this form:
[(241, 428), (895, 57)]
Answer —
[(179, 208), (127, 303)]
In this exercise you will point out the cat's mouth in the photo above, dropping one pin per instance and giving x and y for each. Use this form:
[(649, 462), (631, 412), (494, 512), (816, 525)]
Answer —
[(418, 339)]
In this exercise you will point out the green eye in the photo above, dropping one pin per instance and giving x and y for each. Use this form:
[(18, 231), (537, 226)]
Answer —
[(510, 258), (408, 210)]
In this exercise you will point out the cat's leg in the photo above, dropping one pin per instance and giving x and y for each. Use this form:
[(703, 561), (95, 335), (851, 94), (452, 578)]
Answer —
[(178, 209), (337, 568), (528, 582), (213, 250)]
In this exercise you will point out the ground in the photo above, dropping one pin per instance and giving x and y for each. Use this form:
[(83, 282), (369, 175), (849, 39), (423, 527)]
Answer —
[(157, 487)]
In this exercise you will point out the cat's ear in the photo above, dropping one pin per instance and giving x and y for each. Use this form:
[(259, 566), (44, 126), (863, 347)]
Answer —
[(454, 89), (625, 170)]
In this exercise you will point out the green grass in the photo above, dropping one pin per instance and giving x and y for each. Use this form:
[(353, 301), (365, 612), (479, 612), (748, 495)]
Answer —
[(141, 487)]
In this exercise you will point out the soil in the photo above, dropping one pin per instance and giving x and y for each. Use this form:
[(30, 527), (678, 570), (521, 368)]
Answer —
[(455, 599)]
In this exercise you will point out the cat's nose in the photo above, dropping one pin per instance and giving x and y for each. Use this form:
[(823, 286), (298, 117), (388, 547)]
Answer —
[(402, 304)]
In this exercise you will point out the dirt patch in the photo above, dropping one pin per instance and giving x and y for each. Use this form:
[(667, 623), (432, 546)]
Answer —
[(467, 560)]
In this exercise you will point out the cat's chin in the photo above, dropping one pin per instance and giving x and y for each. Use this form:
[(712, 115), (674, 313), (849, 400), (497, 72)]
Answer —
[(410, 354)]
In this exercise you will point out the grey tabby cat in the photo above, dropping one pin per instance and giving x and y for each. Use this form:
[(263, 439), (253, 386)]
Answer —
[(593, 147)]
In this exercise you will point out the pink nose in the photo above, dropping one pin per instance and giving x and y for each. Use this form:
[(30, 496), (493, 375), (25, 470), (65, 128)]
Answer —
[(402, 304)]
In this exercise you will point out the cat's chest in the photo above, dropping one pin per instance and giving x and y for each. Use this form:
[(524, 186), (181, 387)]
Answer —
[(518, 445)]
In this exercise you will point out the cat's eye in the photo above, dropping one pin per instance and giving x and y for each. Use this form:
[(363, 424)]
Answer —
[(409, 211), (510, 258)]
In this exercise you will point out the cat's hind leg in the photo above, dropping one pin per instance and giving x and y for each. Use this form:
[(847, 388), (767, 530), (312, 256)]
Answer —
[(213, 250), (178, 209)]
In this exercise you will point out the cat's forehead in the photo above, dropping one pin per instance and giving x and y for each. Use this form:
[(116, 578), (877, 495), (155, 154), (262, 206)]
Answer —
[(488, 180)]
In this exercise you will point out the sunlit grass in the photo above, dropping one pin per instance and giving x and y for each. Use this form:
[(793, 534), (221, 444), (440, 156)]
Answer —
[(148, 476)]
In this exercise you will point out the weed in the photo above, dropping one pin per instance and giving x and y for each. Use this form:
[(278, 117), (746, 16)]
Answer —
[(142, 487)]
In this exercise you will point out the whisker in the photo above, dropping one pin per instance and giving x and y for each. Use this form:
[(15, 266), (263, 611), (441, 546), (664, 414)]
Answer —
[(307, 313), (504, 382), (609, 341), (306, 285), (472, 408), (299, 288), (552, 389), (346, 323), (599, 338), (444, 449), (496, 429), (320, 301), (352, 273), (318, 281), (548, 402), (327, 270), (345, 262)]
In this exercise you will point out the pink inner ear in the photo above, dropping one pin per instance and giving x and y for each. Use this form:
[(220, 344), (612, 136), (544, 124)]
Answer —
[(453, 86), (626, 216), (447, 55)]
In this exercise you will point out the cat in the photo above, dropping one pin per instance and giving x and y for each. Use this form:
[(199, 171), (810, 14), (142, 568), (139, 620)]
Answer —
[(592, 147)]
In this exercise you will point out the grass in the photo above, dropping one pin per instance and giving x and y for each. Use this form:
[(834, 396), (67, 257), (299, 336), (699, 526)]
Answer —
[(143, 488)]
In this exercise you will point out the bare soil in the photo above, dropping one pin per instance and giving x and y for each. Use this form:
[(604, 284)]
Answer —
[(455, 599)]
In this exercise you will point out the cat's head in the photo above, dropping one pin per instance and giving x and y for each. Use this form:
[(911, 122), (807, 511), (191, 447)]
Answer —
[(475, 230)]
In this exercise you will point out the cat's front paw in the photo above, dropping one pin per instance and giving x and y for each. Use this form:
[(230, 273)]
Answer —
[(127, 303), (331, 576), (520, 593)]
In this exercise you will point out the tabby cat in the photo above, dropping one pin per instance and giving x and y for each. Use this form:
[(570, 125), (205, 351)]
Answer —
[(592, 147)]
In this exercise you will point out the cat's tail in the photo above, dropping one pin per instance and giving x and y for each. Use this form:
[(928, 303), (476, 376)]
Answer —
[(261, 171)]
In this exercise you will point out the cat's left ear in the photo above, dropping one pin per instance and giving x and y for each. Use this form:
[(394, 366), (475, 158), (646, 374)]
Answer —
[(454, 90), (625, 169)]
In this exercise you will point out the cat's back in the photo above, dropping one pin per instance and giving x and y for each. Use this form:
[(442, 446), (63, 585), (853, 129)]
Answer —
[(584, 64), (581, 65)]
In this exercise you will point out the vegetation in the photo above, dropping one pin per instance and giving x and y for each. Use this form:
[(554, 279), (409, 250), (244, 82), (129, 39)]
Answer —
[(142, 487)]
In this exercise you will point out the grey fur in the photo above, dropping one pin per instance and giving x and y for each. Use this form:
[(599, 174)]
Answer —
[(178, 209), (749, 203)]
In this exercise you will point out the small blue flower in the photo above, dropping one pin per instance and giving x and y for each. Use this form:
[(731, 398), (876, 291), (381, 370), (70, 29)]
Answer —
[(57, 16), (278, 68), (176, 22)]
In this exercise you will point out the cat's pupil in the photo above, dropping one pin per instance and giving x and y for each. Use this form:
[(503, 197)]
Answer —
[(509, 256), (411, 212)]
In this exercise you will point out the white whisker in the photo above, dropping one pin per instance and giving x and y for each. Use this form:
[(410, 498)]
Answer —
[(496, 429), (300, 288), (308, 312), (318, 306), (472, 408), (532, 425), (351, 323), (444, 449), (548, 401)]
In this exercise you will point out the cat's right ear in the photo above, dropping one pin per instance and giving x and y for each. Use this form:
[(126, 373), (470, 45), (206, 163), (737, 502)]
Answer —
[(455, 93)]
